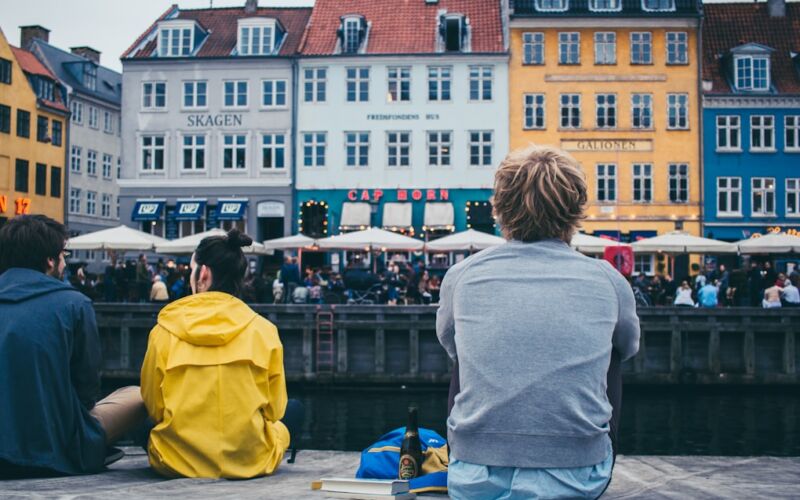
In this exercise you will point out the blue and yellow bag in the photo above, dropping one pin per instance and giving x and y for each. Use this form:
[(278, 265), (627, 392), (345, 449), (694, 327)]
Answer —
[(382, 459)]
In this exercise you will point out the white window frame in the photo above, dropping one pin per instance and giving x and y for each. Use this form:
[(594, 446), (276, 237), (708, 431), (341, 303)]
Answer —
[(108, 124), (91, 202), (725, 187), (357, 84), (791, 133), (439, 150), (606, 173), (91, 163), (481, 79), (315, 84), (236, 149), (395, 145), (106, 166), (152, 151), (74, 200), (396, 76), (679, 102), (274, 142), (75, 156), (534, 111), (94, 121), (642, 182), (318, 140), (252, 38), (763, 132), (351, 26), (612, 5), (168, 46), (150, 98), (483, 159), (644, 108), (193, 148), (569, 44), (191, 90), (105, 205), (745, 76), (669, 8), (644, 263), (533, 46), (275, 93), (573, 108), (677, 48), (76, 108), (793, 191), (678, 181), (607, 110), (359, 141), (760, 186), (236, 93), (605, 48), (731, 127), (552, 5), (641, 40), (440, 83)]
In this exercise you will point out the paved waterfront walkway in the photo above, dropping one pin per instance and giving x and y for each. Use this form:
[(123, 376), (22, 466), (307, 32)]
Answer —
[(634, 477)]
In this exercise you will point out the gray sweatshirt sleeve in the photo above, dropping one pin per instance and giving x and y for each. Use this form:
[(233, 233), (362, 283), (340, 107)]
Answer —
[(627, 332), (445, 322)]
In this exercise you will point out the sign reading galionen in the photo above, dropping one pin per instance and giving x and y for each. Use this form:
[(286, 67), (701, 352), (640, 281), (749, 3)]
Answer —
[(601, 145)]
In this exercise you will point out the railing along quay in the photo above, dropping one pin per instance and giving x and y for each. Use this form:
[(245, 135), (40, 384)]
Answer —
[(397, 344)]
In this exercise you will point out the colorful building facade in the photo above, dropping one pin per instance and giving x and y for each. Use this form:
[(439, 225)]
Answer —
[(33, 132)]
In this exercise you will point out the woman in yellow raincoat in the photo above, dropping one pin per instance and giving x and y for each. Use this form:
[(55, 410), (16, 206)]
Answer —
[(213, 378)]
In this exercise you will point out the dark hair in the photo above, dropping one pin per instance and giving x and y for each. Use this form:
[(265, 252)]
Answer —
[(224, 256), (28, 241)]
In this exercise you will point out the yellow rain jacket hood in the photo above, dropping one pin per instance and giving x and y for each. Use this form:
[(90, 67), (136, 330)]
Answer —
[(213, 382)]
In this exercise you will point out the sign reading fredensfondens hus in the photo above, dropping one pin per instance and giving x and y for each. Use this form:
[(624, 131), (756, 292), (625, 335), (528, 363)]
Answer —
[(602, 145)]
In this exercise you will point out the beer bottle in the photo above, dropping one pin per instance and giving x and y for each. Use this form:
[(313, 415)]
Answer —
[(411, 449)]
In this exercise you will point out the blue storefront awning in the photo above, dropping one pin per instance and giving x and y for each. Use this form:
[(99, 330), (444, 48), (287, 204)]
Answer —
[(231, 209), (189, 209), (148, 210)]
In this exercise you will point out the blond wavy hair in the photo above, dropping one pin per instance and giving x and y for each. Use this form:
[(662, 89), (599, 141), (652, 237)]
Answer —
[(539, 193)]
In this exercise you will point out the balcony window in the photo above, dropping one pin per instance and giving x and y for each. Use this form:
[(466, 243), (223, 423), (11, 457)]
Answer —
[(352, 33), (752, 73)]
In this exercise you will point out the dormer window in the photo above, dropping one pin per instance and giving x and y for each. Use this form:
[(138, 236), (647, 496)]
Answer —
[(352, 33), (175, 40), (258, 37), (658, 5), (453, 29), (552, 5), (45, 89), (605, 5), (90, 76), (752, 73)]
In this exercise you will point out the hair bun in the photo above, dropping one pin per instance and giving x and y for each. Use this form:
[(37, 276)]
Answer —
[(237, 239)]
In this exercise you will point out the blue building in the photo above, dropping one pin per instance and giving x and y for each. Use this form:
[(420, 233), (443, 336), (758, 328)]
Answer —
[(751, 116)]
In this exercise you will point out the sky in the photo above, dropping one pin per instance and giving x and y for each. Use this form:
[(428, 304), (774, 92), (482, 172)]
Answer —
[(109, 26)]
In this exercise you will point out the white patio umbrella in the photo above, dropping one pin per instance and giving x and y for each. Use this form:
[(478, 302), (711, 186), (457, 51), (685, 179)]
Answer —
[(465, 240), (770, 243), (368, 239), (591, 244), (290, 242), (188, 244), (679, 242), (115, 238)]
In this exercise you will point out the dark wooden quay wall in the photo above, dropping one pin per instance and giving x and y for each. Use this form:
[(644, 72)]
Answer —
[(397, 344)]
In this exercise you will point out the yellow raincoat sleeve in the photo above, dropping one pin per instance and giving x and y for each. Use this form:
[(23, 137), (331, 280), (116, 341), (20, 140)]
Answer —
[(153, 374), (277, 397)]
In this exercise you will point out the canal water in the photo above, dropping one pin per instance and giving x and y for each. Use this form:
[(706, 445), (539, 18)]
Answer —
[(655, 420)]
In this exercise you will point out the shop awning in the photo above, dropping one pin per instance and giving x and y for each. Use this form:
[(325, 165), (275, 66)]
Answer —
[(439, 216), (150, 209), (231, 209), (396, 215), (356, 215), (190, 209)]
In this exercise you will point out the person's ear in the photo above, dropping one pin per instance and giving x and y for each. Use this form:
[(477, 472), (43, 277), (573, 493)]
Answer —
[(51, 265)]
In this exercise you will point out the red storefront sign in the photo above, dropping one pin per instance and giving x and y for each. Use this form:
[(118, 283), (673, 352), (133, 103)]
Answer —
[(375, 195)]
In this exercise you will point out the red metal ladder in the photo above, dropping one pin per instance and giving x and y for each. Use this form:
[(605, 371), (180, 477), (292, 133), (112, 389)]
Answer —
[(325, 351)]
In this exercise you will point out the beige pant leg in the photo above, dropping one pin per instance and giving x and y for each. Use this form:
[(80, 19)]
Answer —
[(120, 412)]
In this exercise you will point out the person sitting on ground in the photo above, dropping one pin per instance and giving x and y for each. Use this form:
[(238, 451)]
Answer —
[(708, 296), (683, 296), (772, 297), (50, 360), (213, 378), (532, 417), (158, 292)]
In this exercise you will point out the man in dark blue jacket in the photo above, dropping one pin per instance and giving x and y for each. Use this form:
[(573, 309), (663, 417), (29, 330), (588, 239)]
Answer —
[(49, 362)]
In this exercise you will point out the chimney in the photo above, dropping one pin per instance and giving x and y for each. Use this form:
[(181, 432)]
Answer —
[(27, 34), (87, 52), (250, 6), (776, 8)]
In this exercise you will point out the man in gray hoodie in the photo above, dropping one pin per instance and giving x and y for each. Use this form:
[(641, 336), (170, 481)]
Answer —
[(532, 325)]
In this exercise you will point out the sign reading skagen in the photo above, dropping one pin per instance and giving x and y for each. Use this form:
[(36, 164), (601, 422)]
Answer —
[(209, 120), (625, 145)]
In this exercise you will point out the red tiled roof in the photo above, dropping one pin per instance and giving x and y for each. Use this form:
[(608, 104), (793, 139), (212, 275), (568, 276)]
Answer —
[(729, 25), (403, 26), (29, 64), (143, 35), (222, 26)]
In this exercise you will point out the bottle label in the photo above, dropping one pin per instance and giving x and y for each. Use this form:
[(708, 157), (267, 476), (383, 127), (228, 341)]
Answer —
[(408, 467)]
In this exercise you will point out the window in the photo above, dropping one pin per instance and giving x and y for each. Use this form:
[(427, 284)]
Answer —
[(5, 71), (57, 136), (314, 84), (273, 93), (42, 124), (569, 48), (642, 48), (93, 123), (643, 264), (439, 145), (45, 89), (605, 48), (235, 94), (480, 83), (763, 200), (153, 152), (791, 131), (91, 162), (728, 133), (106, 166), (173, 42), (119, 167), (606, 107), (256, 40), (40, 182), (5, 119), (194, 152), (439, 82), (533, 48), (74, 200), (21, 176), (356, 148), (752, 73), (105, 205), (234, 151), (677, 47), (154, 95), (55, 182), (398, 145), (108, 124), (91, 202), (606, 182), (658, 5), (453, 28), (642, 182), (551, 5), (570, 110), (678, 182), (399, 84), (678, 111), (605, 5), (793, 197), (77, 112), (357, 84), (90, 76), (480, 148), (273, 151), (534, 111), (642, 110), (762, 133), (75, 159), (23, 123), (195, 94), (314, 144), (353, 31)]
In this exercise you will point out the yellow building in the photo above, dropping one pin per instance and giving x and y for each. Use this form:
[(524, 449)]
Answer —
[(33, 134), (618, 89)]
